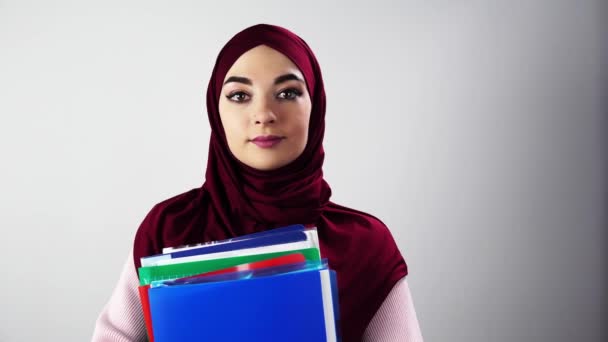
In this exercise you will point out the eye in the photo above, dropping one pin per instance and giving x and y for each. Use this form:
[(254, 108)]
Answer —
[(289, 94), (237, 96)]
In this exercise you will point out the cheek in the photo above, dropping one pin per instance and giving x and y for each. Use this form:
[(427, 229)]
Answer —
[(303, 126), (305, 118), (233, 126), (300, 128)]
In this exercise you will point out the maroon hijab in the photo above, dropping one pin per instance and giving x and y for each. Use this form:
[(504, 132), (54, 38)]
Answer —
[(237, 199)]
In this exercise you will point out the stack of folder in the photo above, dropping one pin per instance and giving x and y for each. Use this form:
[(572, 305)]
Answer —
[(267, 286)]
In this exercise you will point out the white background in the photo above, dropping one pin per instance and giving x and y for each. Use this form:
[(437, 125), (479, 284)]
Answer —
[(476, 130)]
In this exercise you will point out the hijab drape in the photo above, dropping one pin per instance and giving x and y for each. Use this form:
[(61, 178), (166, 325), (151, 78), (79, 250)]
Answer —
[(236, 199)]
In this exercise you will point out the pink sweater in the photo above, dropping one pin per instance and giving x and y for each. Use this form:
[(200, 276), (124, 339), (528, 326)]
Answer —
[(121, 318)]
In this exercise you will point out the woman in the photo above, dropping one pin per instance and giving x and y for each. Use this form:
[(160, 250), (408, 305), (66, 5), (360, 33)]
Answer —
[(266, 107)]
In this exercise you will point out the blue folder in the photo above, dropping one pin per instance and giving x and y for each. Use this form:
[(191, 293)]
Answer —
[(290, 228), (288, 234), (300, 306), (262, 241)]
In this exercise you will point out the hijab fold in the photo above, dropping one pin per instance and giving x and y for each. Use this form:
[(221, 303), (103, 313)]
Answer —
[(236, 199)]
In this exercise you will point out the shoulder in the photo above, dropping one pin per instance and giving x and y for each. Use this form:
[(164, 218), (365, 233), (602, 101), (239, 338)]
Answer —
[(361, 249), (360, 229), (357, 221), (172, 205), (163, 223), (167, 211)]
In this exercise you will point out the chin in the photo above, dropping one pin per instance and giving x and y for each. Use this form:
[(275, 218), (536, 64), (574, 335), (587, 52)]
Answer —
[(267, 165)]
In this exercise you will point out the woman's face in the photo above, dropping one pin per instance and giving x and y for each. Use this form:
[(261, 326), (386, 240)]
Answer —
[(265, 109)]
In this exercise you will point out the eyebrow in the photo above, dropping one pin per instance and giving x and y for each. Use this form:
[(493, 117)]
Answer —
[(278, 80)]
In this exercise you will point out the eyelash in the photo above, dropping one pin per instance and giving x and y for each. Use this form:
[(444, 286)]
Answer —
[(296, 94)]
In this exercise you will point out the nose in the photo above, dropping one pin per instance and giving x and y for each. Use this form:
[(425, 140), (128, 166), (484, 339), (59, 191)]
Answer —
[(263, 114)]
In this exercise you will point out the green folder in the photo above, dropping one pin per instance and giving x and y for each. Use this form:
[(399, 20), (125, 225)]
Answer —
[(149, 274)]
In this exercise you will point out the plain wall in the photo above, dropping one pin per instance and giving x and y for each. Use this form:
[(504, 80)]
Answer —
[(476, 130)]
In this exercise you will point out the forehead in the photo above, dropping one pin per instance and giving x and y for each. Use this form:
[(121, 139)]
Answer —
[(262, 62)]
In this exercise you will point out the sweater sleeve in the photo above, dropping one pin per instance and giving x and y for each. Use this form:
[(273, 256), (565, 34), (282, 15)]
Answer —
[(121, 319), (396, 319)]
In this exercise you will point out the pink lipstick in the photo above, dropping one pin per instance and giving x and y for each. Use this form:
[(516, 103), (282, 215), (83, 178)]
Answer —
[(267, 141)]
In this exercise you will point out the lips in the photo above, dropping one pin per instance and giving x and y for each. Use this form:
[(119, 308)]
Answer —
[(267, 141)]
